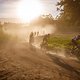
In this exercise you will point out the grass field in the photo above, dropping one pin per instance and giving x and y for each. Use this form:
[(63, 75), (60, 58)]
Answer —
[(60, 41)]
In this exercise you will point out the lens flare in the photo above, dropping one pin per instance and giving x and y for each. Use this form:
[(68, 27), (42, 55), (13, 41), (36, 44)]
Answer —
[(28, 10)]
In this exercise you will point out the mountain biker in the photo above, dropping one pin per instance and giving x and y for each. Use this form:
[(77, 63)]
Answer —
[(75, 41), (45, 39), (31, 38)]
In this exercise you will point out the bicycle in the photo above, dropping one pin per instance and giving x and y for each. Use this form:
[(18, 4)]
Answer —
[(73, 50), (44, 45)]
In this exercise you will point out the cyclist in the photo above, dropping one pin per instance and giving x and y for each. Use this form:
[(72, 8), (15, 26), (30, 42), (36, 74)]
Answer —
[(75, 41), (31, 38), (45, 39)]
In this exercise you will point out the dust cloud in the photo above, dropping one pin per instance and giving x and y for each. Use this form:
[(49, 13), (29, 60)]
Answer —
[(23, 32), (61, 53)]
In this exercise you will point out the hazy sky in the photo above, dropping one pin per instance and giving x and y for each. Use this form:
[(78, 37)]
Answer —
[(8, 7)]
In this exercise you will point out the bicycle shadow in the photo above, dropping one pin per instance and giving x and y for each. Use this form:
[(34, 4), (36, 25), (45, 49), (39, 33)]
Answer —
[(60, 62)]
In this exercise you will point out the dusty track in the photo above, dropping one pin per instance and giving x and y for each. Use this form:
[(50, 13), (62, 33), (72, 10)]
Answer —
[(20, 61)]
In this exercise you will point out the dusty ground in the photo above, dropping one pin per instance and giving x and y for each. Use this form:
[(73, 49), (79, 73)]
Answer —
[(20, 61)]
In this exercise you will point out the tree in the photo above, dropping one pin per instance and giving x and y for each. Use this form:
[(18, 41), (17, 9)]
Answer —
[(43, 20), (69, 12)]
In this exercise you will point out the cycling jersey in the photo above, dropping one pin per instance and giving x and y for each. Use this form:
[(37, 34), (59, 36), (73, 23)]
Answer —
[(76, 38)]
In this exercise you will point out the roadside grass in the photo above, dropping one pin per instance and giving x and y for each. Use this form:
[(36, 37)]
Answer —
[(59, 41)]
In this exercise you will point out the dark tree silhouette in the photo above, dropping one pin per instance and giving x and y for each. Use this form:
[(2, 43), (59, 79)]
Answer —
[(70, 11)]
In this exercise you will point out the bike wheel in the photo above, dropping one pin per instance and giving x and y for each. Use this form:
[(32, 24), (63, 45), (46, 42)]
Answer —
[(68, 50)]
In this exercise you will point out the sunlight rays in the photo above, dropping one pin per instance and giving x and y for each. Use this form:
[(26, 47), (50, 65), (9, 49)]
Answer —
[(28, 10)]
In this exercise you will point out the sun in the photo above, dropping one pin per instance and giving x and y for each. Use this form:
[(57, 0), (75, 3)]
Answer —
[(28, 10)]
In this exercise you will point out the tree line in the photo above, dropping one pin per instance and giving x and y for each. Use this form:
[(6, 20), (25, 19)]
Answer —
[(69, 12)]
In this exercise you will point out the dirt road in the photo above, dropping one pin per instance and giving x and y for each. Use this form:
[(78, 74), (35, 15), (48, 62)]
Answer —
[(20, 61)]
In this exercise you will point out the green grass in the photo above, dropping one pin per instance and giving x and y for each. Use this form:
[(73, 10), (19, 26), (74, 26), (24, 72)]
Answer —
[(59, 41)]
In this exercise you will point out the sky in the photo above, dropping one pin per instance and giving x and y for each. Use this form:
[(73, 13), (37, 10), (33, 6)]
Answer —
[(8, 7)]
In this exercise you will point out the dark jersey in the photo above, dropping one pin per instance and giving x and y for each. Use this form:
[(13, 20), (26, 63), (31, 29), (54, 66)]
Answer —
[(76, 38)]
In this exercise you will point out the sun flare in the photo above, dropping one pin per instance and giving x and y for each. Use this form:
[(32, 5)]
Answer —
[(28, 10)]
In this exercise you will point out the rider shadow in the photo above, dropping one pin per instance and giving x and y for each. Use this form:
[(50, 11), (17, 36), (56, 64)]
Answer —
[(63, 64)]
